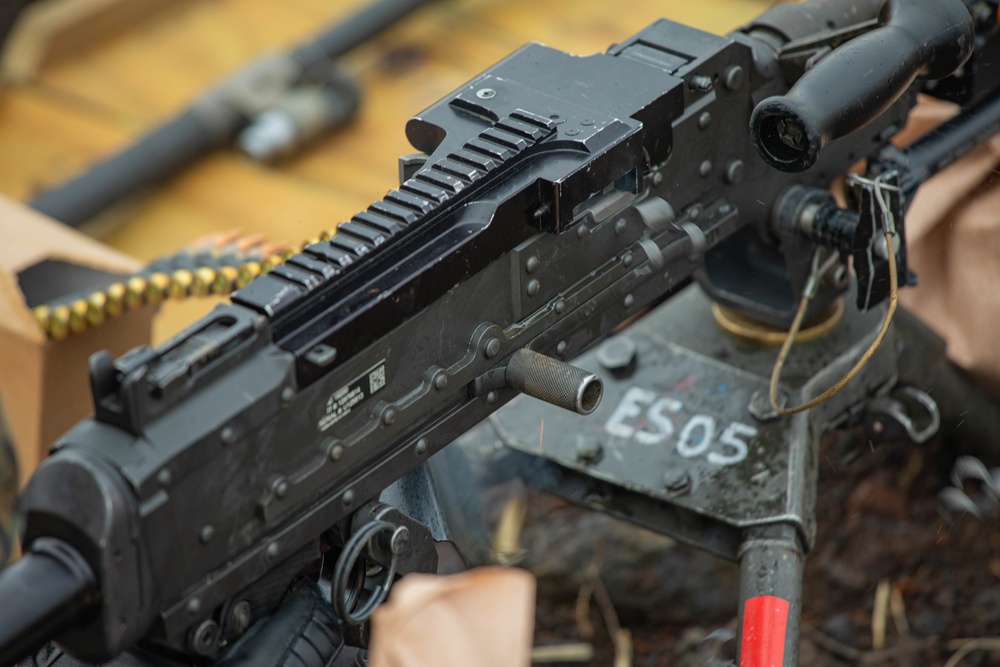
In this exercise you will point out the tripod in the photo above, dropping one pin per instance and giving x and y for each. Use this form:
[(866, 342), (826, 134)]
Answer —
[(686, 444)]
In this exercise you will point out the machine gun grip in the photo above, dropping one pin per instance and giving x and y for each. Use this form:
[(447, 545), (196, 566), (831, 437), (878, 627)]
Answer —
[(859, 80)]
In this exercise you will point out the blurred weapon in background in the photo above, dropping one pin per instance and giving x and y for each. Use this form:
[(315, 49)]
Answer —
[(270, 109)]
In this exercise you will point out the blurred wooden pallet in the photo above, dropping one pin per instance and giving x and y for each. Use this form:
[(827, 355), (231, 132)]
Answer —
[(98, 101)]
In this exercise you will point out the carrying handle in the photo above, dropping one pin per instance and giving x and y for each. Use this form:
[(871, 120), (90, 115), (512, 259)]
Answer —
[(859, 80)]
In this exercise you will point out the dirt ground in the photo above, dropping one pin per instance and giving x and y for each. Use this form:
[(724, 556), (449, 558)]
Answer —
[(881, 525)]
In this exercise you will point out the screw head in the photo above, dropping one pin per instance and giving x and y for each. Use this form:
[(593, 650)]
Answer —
[(734, 77), (204, 638), (273, 550), (620, 226), (389, 417), (486, 93), (348, 498), (532, 264), (534, 287), (227, 435), (163, 477), (736, 172), (617, 354), (287, 394), (492, 398), (704, 120), (206, 535), (492, 348), (421, 447), (336, 452), (705, 169), (440, 380), (281, 490), (561, 348)]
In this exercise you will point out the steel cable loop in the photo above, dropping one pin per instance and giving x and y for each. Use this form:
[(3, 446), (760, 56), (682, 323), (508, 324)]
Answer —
[(797, 324), (879, 187)]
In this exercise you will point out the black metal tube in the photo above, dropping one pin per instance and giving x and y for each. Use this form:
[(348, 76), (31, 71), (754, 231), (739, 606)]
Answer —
[(42, 594), (788, 21), (771, 566), (554, 381), (356, 29), (952, 141), (151, 160)]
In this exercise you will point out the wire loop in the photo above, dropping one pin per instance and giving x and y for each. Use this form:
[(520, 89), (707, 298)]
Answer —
[(343, 598), (810, 290)]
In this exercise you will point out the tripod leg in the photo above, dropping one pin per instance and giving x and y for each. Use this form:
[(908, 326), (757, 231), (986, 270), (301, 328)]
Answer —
[(771, 561)]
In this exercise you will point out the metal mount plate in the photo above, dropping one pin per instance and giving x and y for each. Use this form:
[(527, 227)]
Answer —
[(677, 425)]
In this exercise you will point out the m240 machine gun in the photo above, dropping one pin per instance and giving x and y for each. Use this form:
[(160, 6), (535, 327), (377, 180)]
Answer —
[(556, 196)]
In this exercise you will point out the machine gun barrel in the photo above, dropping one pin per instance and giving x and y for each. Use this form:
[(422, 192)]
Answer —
[(43, 593)]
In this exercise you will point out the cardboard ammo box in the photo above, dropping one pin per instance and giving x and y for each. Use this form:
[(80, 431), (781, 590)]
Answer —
[(44, 384)]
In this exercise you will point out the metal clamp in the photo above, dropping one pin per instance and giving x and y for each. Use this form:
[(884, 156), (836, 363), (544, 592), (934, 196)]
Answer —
[(900, 413), (982, 500)]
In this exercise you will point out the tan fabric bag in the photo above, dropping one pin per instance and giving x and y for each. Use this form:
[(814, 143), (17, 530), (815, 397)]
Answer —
[(953, 238)]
